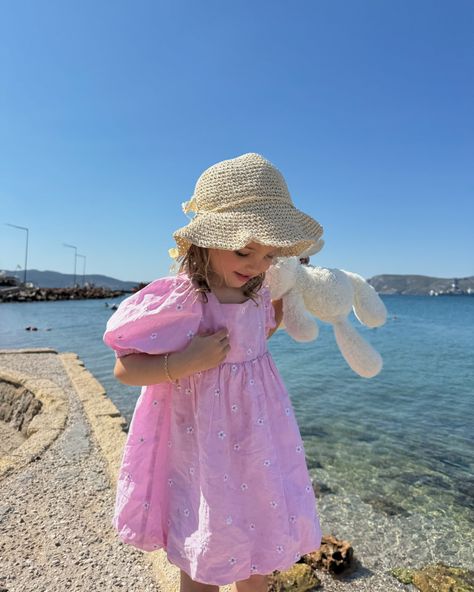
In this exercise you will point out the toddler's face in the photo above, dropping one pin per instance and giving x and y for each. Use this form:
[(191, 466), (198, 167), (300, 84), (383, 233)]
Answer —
[(236, 268)]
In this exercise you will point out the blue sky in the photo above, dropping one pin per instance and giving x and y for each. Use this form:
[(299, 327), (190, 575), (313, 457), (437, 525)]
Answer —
[(109, 111)]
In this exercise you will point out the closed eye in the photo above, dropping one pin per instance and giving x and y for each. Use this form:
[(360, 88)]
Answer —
[(241, 254)]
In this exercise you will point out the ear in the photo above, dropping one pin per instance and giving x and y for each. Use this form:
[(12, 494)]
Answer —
[(298, 323), (368, 306)]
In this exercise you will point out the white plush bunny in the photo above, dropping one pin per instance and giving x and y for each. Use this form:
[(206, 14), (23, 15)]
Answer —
[(329, 295)]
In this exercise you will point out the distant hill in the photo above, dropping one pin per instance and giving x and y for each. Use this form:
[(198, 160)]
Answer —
[(54, 279), (420, 284), (384, 284)]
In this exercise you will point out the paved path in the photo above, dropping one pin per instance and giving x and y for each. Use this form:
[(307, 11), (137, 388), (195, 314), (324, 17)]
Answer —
[(55, 532)]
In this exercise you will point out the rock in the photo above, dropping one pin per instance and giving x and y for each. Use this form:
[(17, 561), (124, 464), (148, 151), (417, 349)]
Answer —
[(334, 555), (437, 578), (299, 578)]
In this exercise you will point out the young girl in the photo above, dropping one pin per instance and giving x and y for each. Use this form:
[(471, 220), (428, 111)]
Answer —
[(214, 466)]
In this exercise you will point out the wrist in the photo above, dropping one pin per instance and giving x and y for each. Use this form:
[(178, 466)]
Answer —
[(179, 365)]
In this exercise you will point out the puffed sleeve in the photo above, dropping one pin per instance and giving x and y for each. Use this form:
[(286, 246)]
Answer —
[(160, 318), (270, 322)]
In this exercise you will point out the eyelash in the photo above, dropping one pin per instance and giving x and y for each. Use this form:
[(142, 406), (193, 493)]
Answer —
[(271, 257)]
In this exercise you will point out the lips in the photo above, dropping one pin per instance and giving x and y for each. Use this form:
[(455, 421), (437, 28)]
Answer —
[(244, 278)]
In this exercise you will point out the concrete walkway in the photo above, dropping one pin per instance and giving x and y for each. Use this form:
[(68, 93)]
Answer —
[(55, 512)]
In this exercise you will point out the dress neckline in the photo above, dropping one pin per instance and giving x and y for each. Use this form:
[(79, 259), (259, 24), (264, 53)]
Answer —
[(228, 303), (186, 277)]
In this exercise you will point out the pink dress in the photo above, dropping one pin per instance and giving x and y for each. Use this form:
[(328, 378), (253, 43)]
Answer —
[(214, 467)]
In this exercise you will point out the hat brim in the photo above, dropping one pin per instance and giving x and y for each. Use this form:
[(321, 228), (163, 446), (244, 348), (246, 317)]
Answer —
[(282, 226)]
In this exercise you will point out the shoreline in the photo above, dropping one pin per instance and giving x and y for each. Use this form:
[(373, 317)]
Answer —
[(90, 443)]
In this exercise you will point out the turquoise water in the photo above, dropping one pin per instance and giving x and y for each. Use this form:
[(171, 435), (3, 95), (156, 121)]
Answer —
[(392, 456)]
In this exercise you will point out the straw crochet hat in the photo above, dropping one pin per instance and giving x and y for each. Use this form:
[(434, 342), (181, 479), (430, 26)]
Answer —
[(246, 199)]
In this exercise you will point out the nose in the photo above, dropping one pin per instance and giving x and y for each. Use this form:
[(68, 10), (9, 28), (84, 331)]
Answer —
[(260, 267)]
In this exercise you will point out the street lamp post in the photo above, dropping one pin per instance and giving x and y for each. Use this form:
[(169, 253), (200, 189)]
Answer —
[(26, 251), (83, 269), (75, 260)]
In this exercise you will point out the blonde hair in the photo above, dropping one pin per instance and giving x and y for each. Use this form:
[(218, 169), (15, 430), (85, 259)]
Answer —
[(196, 264)]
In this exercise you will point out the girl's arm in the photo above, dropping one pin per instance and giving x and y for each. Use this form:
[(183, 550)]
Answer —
[(202, 353), (278, 308), (145, 369)]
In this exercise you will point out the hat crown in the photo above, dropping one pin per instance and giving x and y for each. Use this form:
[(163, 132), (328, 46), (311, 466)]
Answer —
[(233, 184)]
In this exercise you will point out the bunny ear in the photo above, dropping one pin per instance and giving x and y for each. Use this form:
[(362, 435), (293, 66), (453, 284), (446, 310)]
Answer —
[(358, 353)]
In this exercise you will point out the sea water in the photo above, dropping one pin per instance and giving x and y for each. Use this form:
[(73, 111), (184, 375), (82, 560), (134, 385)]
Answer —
[(392, 456)]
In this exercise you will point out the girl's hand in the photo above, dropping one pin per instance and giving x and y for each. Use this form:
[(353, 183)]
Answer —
[(206, 351)]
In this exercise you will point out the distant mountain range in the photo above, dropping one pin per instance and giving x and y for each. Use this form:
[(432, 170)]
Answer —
[(384, 284), (54, 279), (421, 284)]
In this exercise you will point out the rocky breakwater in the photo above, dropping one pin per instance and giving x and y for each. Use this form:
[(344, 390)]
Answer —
[(21, 294)]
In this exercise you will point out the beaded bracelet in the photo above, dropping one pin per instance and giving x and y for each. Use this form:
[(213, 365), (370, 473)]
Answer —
[(167, 372)]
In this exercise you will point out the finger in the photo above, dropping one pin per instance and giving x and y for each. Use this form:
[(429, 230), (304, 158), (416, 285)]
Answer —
[(222, 334)]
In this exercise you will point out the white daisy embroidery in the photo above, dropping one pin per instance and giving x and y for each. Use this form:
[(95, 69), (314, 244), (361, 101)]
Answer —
[(308, 488), (232, 560), (228, 520), (221, 434), (179, 307), (190, 334), (186, 512), (279, 548), (217, 392), (190, 429), (153, 335), (178, 387), (234, 408), (287, 410), (234, 368), (249, 351), (142, 439), (260, 421), (252, 526), (226, 477), (297, 556), (273, 504), (266, 463), (252, 382), (292, 519), (253, 568), (244, 487), (236, 446), (188, 391), (299, 448), (170, 482), (146, 505), (155, 403), (191, 470)]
